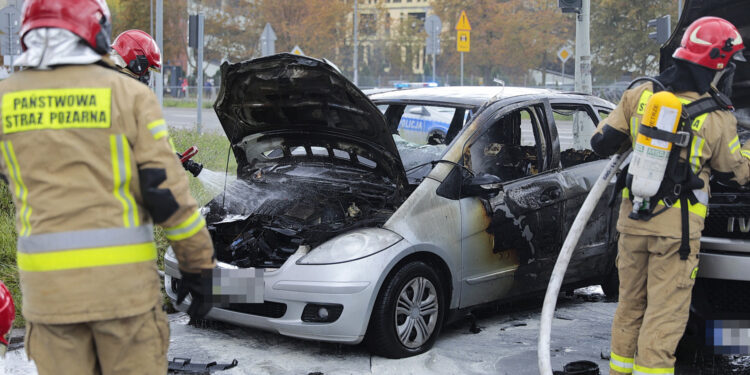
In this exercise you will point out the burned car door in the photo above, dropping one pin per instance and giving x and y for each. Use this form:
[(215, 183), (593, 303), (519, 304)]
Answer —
[(506, 239), (580, 169)]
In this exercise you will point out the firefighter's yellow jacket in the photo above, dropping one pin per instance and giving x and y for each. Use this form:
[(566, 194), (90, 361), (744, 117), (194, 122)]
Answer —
[(715, 147), (87, 155)]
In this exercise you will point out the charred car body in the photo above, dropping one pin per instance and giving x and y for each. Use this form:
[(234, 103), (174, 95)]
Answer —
[(354, 232), (721, 295)]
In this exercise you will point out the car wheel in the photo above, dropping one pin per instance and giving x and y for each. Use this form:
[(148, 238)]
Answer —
[(611, 284), (408, 314)]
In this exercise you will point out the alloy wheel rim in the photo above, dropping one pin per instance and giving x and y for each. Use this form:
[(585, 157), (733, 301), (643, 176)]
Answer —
[(416, 312)]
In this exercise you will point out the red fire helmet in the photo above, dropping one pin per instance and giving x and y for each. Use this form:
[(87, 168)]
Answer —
[(7, 313), (710, 42), (89, 19), (139, 51)]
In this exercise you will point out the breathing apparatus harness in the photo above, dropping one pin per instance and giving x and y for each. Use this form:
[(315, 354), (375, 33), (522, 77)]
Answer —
[(679, 179)]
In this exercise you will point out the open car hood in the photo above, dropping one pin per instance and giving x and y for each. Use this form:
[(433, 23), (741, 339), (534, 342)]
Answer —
[(295, 107), (738, 13)]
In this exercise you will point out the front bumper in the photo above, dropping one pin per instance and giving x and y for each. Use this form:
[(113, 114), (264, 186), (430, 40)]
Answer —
[(722, 258), (289, 289)]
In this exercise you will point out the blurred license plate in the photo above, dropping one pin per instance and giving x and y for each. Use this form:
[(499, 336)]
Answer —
[(728, 336), (238, 285)]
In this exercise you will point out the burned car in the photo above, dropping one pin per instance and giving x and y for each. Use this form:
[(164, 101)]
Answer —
[(354, 233)]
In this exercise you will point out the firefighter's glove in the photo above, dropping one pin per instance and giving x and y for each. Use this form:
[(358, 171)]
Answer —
[(198, 285)]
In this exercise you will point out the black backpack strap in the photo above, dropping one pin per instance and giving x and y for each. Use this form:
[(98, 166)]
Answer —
[(681, 138), (701, 106), (684, 250)]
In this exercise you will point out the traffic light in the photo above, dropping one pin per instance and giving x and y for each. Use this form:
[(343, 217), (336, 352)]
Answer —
[(570, 6), (663, 28), (193, 31)]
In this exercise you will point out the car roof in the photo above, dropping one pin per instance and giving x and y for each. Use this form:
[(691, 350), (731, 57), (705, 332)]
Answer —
[(473, 96), (477, 96)]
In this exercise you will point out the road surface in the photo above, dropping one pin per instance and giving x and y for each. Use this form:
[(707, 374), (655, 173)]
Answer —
[(506, 345), (186, 118)]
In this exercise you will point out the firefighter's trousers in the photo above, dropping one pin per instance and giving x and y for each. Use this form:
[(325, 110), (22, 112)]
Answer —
[(133, 345), (655, 290)]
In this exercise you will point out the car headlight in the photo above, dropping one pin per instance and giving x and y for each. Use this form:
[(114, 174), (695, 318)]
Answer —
[(351, 246)]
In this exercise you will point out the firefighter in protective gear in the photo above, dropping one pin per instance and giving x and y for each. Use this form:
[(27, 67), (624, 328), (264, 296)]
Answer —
[(7, 315), (658, 257), (136, 54), (88, 157)]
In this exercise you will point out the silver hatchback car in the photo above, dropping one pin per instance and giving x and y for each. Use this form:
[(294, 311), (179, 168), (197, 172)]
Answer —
[(339, 230)]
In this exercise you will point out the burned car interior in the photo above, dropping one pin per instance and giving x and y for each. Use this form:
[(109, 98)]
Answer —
[(505, 152)]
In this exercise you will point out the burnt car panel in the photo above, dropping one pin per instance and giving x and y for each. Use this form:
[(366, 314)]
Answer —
[(524, 224), (289, 96)]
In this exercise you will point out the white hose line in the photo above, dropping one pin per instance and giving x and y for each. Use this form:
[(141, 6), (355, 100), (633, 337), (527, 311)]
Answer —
[(553, 289)]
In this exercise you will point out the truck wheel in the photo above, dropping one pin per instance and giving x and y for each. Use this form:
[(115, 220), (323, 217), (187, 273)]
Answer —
[(408, 314)]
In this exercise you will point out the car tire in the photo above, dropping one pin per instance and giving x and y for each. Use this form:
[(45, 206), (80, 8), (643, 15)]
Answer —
[(398, 325), (611, 284)]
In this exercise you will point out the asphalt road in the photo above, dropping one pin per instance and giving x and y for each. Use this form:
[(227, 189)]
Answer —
[(506, 345), (187, 118)]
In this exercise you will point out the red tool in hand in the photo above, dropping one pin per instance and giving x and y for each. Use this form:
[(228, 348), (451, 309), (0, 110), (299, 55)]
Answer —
[(189, 165), (188, 154)]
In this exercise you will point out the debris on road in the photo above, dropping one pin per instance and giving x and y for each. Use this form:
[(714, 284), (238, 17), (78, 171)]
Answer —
[(185, 366)]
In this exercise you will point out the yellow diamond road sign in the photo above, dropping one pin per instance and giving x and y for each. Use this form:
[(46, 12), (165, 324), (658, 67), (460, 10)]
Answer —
[(463, 41), (463, 22), (298, 51), (564, 54)]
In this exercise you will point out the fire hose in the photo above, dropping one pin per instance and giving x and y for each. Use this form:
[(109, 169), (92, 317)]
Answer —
[(558, 273)]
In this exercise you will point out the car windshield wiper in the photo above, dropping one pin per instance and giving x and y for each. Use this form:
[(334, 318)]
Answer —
[(436, 162)]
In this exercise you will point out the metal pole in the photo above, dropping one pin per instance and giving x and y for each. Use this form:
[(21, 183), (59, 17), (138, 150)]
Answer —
[(562, 72), (10, 40), (582, 135), (200, 72), (434, 68), (462, 68), (356, 52), (679, 9), (151, 17), (583, 50), (159, 83)]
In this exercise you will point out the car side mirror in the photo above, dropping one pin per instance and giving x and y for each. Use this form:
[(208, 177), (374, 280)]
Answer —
[(483, 185)]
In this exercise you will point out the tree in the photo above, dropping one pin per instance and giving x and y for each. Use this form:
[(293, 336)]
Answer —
[(231, 33), (136, 14), (507, 38), (619, 36), (319, 27), (405, 44)]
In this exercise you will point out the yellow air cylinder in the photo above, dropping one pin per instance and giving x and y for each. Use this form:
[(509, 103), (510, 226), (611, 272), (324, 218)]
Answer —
[(650, 155)]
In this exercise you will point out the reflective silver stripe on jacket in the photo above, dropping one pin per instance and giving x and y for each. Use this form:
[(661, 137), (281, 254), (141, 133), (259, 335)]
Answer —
[(696, 153), (85, 239), (122, 173)]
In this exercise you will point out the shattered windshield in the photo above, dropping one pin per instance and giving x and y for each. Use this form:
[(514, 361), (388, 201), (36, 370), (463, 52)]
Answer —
[(417, 158)]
